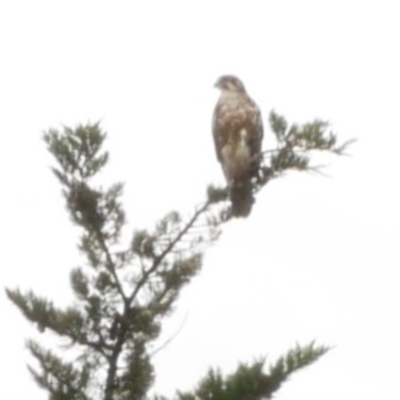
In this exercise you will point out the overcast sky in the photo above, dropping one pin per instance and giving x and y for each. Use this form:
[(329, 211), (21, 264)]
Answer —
[(317, 259)]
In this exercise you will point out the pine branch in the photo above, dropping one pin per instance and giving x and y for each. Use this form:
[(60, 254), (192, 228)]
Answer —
[(69, 323), (144, 280), (249, 382), (159, 259), (295, 145), (294, 360), (110, 265), (62, 380)]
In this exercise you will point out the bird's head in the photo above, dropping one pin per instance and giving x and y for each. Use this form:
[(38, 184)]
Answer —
[(230, 83)]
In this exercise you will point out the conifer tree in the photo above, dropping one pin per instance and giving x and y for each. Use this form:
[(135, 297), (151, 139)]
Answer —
[(122, 296)]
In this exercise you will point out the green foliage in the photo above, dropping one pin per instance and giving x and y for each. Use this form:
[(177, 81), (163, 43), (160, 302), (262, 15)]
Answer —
[(295, 145), (294, 360), (62, 380), (249, 382), (123, 295)]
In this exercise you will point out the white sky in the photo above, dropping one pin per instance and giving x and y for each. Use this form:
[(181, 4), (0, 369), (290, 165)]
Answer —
[(318, 258)]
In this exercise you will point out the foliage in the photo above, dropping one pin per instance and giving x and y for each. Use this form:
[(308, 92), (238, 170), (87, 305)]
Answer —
[(122, 296), (250, 382)]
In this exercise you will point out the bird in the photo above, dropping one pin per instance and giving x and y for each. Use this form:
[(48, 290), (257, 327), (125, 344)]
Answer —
[(237, 130)]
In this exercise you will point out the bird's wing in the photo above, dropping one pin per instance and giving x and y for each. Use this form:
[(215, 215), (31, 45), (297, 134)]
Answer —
[(254, 127), (220, 129)]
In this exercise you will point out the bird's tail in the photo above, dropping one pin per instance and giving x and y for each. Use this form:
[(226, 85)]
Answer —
[(242, 199)]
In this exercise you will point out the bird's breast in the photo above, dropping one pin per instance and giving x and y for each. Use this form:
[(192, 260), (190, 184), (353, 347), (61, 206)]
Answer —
[(236, 156)]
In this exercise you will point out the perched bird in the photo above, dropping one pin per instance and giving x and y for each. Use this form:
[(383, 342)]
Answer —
[(238, 133)]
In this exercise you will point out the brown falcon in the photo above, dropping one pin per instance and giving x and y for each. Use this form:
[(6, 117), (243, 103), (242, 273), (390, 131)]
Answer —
[(238, 133)]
